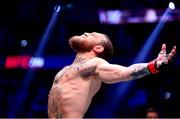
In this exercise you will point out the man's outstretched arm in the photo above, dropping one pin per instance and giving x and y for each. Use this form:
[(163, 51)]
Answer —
[(111, 73)]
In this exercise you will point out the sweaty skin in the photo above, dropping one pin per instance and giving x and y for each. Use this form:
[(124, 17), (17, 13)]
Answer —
[(75, 85)]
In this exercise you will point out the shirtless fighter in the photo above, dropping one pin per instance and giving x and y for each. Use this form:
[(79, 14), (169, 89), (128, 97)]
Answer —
[(75, 85)]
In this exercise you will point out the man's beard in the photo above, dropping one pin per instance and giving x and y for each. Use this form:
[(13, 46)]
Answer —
[(79, 45)]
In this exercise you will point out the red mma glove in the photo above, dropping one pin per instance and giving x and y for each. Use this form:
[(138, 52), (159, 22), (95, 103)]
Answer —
[(163, 60)]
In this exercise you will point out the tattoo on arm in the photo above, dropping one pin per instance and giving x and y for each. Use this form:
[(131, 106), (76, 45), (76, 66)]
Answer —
[(139, 71)]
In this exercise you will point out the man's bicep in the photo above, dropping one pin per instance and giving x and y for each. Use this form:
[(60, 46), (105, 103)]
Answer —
[(111, 73)]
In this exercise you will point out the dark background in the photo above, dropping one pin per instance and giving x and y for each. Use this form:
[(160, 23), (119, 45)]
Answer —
[(27, 19)]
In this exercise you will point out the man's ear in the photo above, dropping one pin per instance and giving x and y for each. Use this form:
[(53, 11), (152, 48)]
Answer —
[(98, 49)]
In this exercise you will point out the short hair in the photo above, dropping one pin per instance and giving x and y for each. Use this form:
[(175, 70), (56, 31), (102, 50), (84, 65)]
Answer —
[(108, 48), (151, 110)]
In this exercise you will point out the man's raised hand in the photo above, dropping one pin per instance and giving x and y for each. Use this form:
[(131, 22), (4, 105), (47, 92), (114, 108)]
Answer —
[(163, 60)]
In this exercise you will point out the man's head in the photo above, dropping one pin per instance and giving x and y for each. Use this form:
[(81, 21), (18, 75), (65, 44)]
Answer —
[(99, 43), (151, 113)]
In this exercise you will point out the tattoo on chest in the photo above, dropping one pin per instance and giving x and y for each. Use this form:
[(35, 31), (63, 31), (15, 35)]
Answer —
[(77, 65), (62, 73)]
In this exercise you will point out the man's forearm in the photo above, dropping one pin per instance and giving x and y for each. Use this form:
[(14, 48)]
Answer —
[(139, 70)]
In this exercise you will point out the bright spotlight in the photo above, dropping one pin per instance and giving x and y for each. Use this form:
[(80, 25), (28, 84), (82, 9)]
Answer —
[(171, 5), (24, 43), (57, 8)]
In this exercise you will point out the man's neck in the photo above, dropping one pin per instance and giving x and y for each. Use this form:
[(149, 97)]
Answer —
[(81, 57)]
